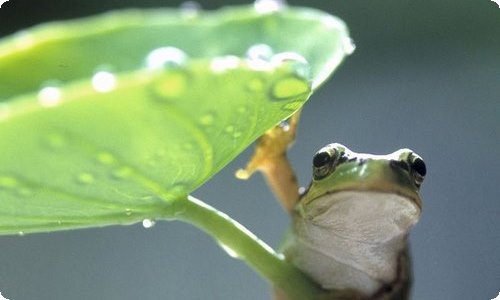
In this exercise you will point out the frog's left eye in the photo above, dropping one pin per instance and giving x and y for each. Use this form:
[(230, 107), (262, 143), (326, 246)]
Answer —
[(418, 168), (323, 162)]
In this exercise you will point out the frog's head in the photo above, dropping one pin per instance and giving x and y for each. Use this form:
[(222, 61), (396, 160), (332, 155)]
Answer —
[(365, 197)]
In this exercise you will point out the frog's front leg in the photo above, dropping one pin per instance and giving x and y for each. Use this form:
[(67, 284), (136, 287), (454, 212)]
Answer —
[(270, 159)]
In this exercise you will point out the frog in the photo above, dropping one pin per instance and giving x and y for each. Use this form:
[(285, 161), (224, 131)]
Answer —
[(349, 228)]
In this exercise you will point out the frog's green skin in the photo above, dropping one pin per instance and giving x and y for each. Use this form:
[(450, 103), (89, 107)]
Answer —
[(350, 227)]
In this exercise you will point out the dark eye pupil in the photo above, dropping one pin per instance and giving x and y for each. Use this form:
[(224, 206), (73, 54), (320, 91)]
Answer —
[(321, 159), (419, 166)]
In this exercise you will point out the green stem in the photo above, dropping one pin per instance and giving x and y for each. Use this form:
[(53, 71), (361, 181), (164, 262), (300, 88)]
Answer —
[(239, 241)]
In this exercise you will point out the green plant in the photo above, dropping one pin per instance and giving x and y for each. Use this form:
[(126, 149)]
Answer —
[(91, 137)]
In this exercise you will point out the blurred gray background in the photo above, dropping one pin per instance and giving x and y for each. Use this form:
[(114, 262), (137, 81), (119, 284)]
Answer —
[(425, 75)]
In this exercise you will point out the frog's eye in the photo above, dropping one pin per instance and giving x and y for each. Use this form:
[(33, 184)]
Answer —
[(323, 162), (418, 168)]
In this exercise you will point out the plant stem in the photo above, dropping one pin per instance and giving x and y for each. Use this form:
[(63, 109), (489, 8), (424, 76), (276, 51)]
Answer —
[(241, 243)]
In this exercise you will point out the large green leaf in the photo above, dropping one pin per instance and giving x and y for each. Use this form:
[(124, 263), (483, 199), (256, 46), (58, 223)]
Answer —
[(114, 118)]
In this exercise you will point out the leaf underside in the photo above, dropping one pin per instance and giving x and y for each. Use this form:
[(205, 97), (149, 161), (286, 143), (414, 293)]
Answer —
[(116, 149)]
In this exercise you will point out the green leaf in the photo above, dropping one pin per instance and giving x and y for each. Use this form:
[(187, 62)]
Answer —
[(115, 118)]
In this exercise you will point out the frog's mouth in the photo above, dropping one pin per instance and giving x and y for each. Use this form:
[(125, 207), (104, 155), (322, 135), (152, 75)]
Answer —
[(388, 189), (364, 216)]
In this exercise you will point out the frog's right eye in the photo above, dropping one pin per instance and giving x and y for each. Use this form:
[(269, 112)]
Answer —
[(321, 159), (323, 162)]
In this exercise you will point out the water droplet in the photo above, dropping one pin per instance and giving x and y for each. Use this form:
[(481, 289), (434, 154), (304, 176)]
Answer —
[(289, 88), (348, 45), (285, 57), (190, 9), (4, 111), (207, 119), (105, 158), (171, 85), (284, 125), (237, 134), (103, 81), (294, 60), (269, 6), (8, 182), (229, 128), (166, 57), (148, 223), (229, 251), (122, 172), (259, 57), (85, 178), (302, 190), (49, 96), (128, 212), (260, 52), (224, 63), (55, 141), (20, 233), (255, 85)]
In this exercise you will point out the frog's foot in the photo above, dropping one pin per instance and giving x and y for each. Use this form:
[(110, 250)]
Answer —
[(270, 159), (270, 147)]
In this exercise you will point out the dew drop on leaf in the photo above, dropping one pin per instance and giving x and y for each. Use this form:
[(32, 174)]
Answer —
[(224, 63), (293, 60), (121, 173), (103, 81), (289, 88), (260, 52), (207, 119), (259, 57), (255, 85), (284, 125), (85, 178), (148, 223), (165, 58), (171, 85), (190, 9), (269, 6), (105, 158), (49, 96), (8, 182)]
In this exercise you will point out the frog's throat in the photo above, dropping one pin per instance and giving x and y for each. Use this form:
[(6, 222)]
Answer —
[(352, 239)]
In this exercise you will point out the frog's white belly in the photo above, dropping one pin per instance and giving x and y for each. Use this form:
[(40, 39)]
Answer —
[(351, 240)]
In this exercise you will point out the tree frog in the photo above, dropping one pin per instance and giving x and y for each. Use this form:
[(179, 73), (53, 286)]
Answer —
[(350, 226)]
